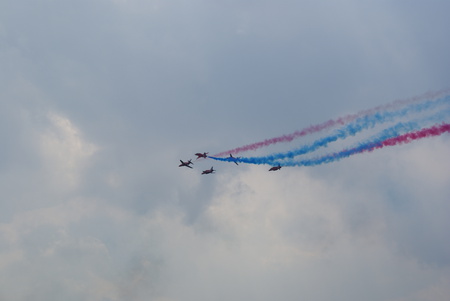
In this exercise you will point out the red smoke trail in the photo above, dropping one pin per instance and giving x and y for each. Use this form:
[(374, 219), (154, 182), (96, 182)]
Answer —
[(409, 137), (330, 123), (370, 146), (284, 138)]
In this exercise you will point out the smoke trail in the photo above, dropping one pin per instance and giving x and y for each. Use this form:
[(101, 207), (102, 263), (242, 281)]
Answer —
[(355, 127), (272, 160), (391, 139), (370, 146), (331, 123)]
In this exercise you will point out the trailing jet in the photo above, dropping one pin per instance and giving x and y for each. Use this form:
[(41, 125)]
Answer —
[(208, 171), (275, 168), (234, 159), (200, 155), (185, 163)]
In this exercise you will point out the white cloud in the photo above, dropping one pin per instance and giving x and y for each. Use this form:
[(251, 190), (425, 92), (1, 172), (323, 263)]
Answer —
[(65, 151), (268, 235)]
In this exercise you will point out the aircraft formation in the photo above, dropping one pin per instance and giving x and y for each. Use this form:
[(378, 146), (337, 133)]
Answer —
[(396, 123), (199, 155), (212, 170)]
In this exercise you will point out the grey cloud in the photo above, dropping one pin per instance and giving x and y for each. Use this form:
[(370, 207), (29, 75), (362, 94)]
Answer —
[(146, 83)]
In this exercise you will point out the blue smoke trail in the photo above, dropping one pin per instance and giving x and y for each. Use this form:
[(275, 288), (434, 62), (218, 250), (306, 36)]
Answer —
[(351, 129), (371, 145), (388, 133), (385, 134), (392, 132)]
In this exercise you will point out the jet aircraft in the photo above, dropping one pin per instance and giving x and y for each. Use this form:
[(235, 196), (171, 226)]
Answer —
[(234, 159), (187, 163), (275, 168), (208, 171), (200, 155)]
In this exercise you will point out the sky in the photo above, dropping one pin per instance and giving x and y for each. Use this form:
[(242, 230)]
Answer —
[(100, 99)]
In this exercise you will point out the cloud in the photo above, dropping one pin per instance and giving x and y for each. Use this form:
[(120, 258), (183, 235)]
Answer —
[(100, 99), (263, 235), (65, 151), (266, 237)]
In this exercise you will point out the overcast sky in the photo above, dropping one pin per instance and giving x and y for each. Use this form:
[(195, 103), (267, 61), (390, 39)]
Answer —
[(100, 99)]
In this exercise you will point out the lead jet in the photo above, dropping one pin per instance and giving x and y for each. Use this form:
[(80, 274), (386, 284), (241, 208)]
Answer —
[(185, 163), (200, 155), (234, 159), (208, 171), (275, 168)]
